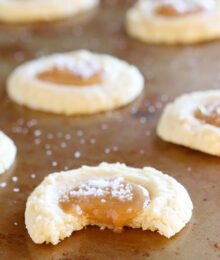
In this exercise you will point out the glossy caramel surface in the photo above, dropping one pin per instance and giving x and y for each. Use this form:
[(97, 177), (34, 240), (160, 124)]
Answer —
[(170, 10), (111, 202), (49, 143), (67, 77), (209, 114)]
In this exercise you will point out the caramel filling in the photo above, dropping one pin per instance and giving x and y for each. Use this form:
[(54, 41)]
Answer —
[(65, 76), (209, 114), (111, 202), (172, 10)]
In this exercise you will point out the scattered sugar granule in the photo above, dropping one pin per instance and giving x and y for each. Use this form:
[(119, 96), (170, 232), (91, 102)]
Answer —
[(16, 189)]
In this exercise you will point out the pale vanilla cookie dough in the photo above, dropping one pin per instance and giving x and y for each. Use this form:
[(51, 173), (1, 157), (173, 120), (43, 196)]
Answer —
[(174, 21), (7, 152), (109, 196), (24, 11), (193, 120), (78, 82)]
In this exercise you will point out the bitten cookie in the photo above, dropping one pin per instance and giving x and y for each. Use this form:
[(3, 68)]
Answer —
[(7, 152), (174, 21), (109, 196), (193, 120), (78, 82), (13, 11)]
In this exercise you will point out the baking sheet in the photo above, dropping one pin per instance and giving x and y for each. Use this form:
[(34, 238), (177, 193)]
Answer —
[(48, 143)]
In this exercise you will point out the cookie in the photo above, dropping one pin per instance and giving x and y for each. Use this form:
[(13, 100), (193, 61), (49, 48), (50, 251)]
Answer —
[(7, 152), (193, 120), (109, 196), (78, 82), (13, 11), (174, 21)]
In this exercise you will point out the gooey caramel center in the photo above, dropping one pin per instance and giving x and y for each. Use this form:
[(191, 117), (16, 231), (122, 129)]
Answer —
[(81, 74), (209, 114), (112, 202), (172, 10)]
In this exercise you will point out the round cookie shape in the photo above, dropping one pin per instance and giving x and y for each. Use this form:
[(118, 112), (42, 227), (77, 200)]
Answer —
[(174, 21), (7, 152), (193, 120), (16, 11), (84, 83), (167, 207)]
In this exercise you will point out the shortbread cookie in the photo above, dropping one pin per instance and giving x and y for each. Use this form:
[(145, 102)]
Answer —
[(109, 196), (7, 152), (174, 21), (193, 120), (78, 82), (14, 11)]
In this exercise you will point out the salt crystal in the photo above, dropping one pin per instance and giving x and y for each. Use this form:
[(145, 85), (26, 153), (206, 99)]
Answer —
[(16, 189), (82, 141), (33, 175), (104, 126), (48, 152), (151, 109), (37, 132), (79, 133), (20, 121), (54, 163), (50, 136), (37, 141), (115, 148), (63, 144), (3, 184), (92, 141), (14, 178), (77, 154), (67, 136), (143, 120), (107, 150)]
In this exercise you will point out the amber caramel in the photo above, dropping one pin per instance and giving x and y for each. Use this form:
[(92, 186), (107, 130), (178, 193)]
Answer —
[(108, 202), (209, 114), (65, 76), (172, 11)]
